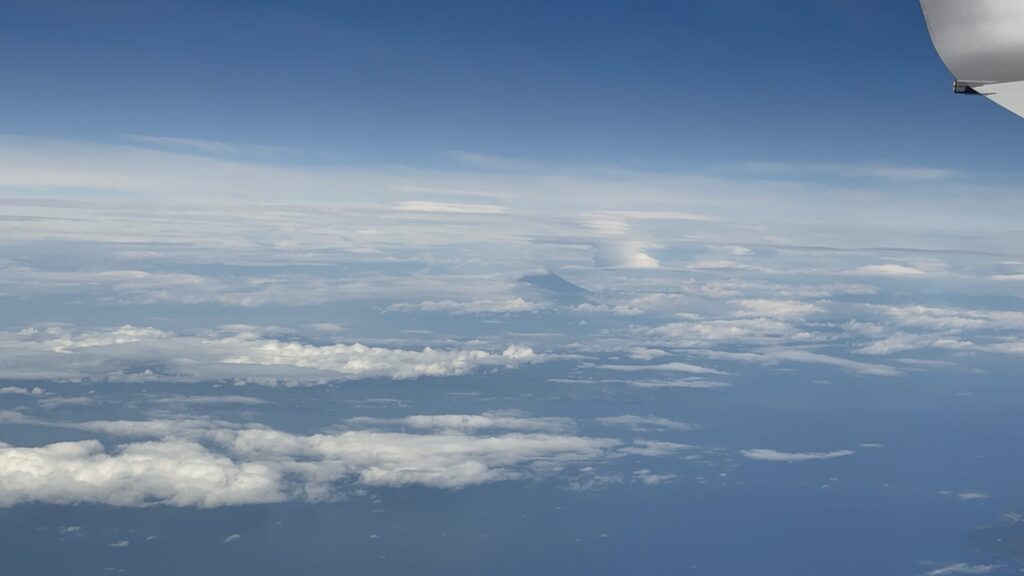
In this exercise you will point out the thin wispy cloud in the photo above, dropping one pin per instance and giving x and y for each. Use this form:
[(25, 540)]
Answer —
[(963, 568), (768, 455)]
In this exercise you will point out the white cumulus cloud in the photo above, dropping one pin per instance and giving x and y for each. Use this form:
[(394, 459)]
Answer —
[(205, 463)]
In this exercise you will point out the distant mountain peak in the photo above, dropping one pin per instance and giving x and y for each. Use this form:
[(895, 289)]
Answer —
[(555, 286)]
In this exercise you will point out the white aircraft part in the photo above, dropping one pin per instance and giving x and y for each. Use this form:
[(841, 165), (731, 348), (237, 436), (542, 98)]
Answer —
[(982, 44), (1009, 95)]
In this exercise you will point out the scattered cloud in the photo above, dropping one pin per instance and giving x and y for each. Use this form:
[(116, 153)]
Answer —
[(963, 568), (694, 383), (472, 423), (808, 357), (651, 479), (666, 367), (644, 423), (54, 402), (448, 207), (767, 455), (751, 331), (787, 309), (19, 391), (511, 306), (655, 449)]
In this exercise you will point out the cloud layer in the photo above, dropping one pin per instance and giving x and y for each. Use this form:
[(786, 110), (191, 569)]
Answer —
[(242, 354), (205, 463)]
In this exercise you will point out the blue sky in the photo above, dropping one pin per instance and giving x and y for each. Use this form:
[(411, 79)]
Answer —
[(648, 84)]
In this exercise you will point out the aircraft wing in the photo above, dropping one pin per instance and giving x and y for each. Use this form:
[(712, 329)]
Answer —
[(982, 44)]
